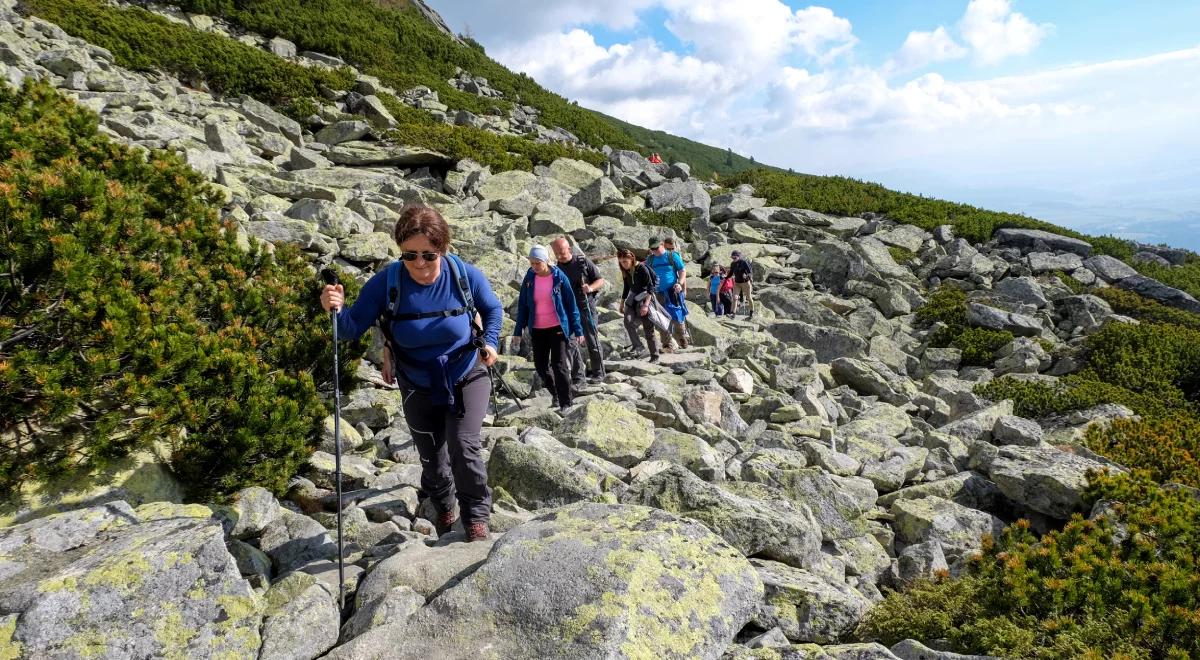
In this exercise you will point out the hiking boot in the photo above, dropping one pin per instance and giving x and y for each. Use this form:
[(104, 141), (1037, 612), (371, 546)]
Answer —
[(444, 523), (562, 410), (478, 531), (654, 359)]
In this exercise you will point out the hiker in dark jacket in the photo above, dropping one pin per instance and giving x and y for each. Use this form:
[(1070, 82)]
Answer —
[(640, 285), (440, 360), (743, 275), (547, 306), (585, 281)]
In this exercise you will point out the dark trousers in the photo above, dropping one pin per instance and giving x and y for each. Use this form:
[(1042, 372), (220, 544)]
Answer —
[(550, 360), (587, 316), (635, 321), (727, 303), (451, 464), (717, 306)]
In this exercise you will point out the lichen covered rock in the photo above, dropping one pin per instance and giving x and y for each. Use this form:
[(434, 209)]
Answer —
[(585, 581)]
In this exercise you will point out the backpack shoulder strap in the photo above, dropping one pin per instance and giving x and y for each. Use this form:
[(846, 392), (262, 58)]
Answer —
[(393, 289), (459, 271)]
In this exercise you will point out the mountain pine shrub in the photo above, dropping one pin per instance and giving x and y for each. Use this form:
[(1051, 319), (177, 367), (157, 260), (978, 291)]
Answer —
[(677, 219), (1125, 584), (948, 305), (129, 314), (143, 41)]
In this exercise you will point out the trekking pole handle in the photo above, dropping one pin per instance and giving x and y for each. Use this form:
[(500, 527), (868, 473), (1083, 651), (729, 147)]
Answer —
[(330, 276)]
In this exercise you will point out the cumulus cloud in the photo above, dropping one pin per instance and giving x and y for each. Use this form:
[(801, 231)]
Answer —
[(994, 31), (920, 49)]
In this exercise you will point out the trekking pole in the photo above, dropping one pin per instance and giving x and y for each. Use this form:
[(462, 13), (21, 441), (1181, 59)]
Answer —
[(331, 278)]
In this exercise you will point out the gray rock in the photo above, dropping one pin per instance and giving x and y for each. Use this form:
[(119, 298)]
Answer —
[(1042, 479), (426, 570), (555, 218), (679, 171), (281, 47), (921, 561), (958, 529), (806, 607), (754, 527), (689, 451), (969, 489), (1155, 290), (1022, 289), (872, 377), (252, 510), (589, 581), (537, 478), (343, 131), (1030, 239), (985, 316), (292, 540), (374, 110), (1109, 269), (576, 174), (828, 343), (250, 560), (332, 220), (65, 62), (1010, 430), (375, 246), (592, 197), (396, 606), (910, 649), (687, 195), (357, 153), (1044, 262), (734, 205), (738, 380), (263, 116), (978, 425), (157, 582), (301, 619), (839, 504)]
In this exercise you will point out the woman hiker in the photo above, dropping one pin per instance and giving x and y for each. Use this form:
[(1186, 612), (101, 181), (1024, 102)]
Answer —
[(640, 285), (547, 306), (427, 307)]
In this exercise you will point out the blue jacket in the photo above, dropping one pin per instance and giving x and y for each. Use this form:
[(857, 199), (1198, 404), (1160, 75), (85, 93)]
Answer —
[(423, 341), (667, 268), (564, 304)]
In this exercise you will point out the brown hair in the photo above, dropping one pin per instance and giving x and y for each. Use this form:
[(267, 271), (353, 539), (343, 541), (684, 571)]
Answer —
[(425, 221), (626, 253)]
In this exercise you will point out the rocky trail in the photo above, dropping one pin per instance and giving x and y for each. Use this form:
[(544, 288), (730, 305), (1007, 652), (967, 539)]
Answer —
[(755, 492)]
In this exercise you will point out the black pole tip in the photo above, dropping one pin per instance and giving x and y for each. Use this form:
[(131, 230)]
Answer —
[(330, 276)]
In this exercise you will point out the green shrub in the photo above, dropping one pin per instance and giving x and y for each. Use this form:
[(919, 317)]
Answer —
[(1123, 585), (1144, 309), (501, 152), (901, 255), (948, 305), (678, 219), (1152, 358), (129, 314), (144, 41), (1071, 283), (979, 345), (1167, 447)]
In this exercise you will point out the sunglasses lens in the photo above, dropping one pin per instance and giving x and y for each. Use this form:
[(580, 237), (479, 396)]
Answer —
[(408, 256), (429, 256), (412, 256)]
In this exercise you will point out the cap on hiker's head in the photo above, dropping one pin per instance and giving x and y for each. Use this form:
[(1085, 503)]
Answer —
[(540, 253), (736, 253), (654, 242)]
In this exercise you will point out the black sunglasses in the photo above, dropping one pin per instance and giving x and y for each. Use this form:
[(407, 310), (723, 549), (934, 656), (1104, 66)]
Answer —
[(412, 256)]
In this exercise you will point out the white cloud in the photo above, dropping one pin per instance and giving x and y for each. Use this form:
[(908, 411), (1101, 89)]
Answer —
[(921, 49), (994, 31), (498, 24), (639, 82)]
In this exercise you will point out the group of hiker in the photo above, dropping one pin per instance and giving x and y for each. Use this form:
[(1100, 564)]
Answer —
[(441, 324)]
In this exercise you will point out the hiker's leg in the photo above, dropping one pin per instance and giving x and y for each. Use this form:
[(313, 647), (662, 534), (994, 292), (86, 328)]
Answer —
[(464, 445), (541, 340), (592, 335), (651, 338), (633, 323), (558, 366), (427, 424)]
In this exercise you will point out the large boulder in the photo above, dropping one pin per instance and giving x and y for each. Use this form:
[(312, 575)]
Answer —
[(754, 526), (301, 619), (807, 608), (574, 173), (993, 318), (1042, 479), (1036, 239), (609, 430), (590, 580), (109, 581), (1155, 290), (958, 529), (1109, 269), (293, 540), (555, 218), (537, 478), (595, 195), (688, 195)]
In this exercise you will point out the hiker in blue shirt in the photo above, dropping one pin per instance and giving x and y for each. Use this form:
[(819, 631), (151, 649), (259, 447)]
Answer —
[(442, 324), (668, 266)]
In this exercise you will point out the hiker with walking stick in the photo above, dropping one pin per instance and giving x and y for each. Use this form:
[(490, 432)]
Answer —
[(425, 305)]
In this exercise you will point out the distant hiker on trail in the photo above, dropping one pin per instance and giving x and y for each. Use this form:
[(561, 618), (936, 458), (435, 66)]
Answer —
[(585, 281), (715, 279), (743, 274), (547, 305), (726, 292), (668, 266), (639, 286), (655, 158), (426, 306)]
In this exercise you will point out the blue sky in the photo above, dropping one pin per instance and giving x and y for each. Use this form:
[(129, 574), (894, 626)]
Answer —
[(1081, 113)]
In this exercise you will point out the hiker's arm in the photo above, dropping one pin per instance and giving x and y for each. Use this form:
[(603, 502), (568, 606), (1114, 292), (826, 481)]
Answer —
[(572, 309), (359, 318), (491, 312), (595, 281)]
